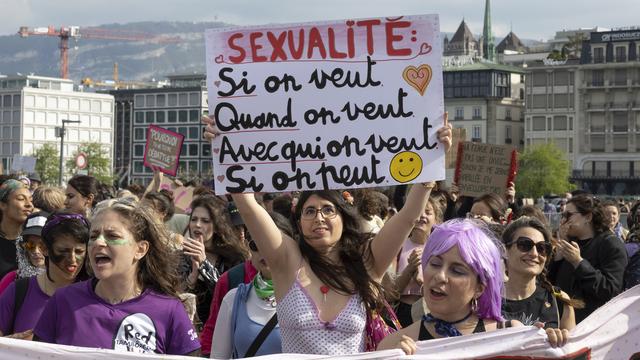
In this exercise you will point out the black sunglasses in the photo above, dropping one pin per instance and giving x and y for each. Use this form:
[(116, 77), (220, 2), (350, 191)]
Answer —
[(252, 245), (525, 245)]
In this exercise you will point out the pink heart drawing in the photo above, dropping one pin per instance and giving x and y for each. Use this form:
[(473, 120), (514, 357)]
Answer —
[(219, 59), (217, 151), (418, 78), (216, 83), (220, 178), (425, 48)]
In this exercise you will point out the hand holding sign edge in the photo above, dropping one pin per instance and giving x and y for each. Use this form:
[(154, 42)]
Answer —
[(445, 133)]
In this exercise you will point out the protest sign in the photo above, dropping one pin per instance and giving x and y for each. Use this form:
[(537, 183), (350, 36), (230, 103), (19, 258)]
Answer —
[(326, 105), (484, 168), (609, 333), (182, 195), (458, 135), (25, 164), (163, 149)]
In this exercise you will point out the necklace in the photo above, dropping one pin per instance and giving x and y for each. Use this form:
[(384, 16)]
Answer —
[(445, 328), (264, 290), (324, 289)]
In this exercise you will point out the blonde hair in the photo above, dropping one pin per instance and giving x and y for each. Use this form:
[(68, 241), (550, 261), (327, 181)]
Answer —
[(48, 198)]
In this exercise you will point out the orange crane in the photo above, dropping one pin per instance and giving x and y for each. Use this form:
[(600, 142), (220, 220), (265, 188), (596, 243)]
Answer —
[(73, 32)]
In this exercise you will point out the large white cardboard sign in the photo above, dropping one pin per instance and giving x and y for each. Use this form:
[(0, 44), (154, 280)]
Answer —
[(326, 105)]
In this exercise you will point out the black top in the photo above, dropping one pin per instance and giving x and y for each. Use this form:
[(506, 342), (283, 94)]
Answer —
[(426, 335), (8, 260), (598, 277), (540, 306)]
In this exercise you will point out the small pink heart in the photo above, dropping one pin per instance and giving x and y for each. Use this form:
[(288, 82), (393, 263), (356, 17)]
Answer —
[(216, 83), (219, 59), (350, 22), (425, 48), (217, 151), (220, 178)]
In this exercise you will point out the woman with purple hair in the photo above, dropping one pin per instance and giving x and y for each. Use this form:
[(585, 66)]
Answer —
[(463, 282)]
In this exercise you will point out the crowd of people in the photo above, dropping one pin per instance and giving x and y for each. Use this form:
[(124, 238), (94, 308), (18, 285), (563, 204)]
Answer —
[(315, 272)]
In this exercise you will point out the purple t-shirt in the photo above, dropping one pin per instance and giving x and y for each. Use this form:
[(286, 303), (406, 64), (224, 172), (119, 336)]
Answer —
[(29, 313), (150, 323)]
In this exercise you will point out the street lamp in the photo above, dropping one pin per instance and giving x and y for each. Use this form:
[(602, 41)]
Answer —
[(61, 133)]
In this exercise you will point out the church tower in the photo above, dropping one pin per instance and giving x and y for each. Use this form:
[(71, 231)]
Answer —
[(488, 45)]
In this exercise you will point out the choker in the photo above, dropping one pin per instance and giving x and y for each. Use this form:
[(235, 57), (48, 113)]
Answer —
[(445, 328)]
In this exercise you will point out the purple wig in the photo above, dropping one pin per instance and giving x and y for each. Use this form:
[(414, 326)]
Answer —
[(480, 250)]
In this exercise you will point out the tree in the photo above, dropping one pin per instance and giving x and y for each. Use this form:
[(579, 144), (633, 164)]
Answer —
[(98, 163), (543, 170), (48, 163)]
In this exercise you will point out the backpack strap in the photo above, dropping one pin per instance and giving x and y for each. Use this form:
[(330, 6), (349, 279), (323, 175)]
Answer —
[(236, 276), (262, 336), (22, 285)]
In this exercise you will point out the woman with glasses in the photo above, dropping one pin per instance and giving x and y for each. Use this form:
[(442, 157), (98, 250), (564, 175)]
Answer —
[(529, 296), (132, 303), (65, 238), (247, 309), (212, 246), (462, 270), (328, 281), (590, 260)]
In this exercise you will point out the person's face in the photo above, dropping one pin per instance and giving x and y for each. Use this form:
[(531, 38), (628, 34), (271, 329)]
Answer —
[(529, 262), (18, 205), (258, 261), (480, 210), (201, 224), (449, 285), (35, 249), (75, 202), (34, 185), (67, 257), (426, 221), (573, 222), (612, 216), (113, 250), (321, 223)]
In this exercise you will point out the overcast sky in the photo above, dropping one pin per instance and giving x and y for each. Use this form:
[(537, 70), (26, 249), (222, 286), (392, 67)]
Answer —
[(538, 19)]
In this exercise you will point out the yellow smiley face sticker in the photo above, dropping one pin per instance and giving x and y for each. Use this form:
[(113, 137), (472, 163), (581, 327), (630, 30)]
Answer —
[(405, 166)]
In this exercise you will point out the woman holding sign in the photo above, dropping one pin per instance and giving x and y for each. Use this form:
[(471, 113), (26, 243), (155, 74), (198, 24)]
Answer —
[(462, 271), (327, 284)]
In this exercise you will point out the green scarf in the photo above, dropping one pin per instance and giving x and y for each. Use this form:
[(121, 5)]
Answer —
[(264, 288)]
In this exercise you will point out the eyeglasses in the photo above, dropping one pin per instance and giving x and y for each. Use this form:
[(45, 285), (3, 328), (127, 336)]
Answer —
[(252, 245), (327, 211), (566, 215), (525, 245), (32, 246)]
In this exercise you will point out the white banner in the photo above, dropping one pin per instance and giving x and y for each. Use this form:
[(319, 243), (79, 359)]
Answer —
[(610, 333), (326, 105)]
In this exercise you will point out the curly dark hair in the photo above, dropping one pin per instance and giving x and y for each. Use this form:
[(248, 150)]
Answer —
[(536, 224), (588, 204), (163, 202), (350, 276), (225, 242), (158, 269)]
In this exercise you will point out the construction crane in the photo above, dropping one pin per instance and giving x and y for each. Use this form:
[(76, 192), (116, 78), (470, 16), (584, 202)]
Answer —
[(73, 32)]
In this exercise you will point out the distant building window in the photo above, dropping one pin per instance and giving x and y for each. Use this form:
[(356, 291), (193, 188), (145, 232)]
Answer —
[(508, 114), (183, 100), (620, 143), (538, 123), (173, 100), (540, 79), (597, 123), (621, 54), (139, 100), (559, 123), (620, 123), (160, 100), (194, 99), (183, 116), (151, 100), (598, 55), (507, 132), (476, 133), (477, 112), (597, 77), (160, 116), (459, 113), (139, 134)]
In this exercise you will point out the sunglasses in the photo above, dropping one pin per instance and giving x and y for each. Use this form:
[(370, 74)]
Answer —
[(525, 245), (252, 245)]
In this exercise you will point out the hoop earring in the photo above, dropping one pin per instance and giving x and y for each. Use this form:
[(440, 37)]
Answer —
[(474, 305)]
